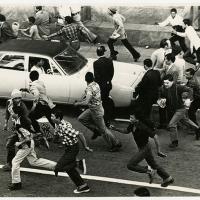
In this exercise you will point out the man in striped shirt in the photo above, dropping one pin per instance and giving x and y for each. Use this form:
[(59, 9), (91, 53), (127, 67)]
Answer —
[(69, 33)]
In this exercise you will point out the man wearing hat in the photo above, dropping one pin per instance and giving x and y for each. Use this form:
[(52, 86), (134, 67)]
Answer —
[(76, 15), (17, 110), (119, 33), (103, 73)]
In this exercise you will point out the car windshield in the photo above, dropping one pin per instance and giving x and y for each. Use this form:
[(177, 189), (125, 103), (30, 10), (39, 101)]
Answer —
[(70, 61)]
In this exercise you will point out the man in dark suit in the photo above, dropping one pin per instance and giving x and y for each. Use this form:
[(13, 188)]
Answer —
[(147, 90), (103, 73)]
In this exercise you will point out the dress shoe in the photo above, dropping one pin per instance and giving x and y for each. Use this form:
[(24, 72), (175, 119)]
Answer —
[(56, 173), (95, 135), (15, 186), (115, 148), (197, 134), (173, 145), (167, 182), (7, 167), (136, 58)]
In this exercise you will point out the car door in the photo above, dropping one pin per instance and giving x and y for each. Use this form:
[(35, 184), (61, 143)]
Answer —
[(55, 81), (12, 72), (77, 86)]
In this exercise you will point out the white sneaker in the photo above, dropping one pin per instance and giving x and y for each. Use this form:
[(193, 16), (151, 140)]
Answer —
[(82, 189)]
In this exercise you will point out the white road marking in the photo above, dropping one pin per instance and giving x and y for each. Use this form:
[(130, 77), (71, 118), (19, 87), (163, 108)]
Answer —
[(115, 180), (122, 120)]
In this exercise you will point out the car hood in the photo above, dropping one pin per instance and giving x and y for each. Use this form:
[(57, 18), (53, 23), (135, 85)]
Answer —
[(125, 74)]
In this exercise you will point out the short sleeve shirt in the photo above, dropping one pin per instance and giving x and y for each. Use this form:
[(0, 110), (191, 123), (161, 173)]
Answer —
[(67, 134), (93, 89)]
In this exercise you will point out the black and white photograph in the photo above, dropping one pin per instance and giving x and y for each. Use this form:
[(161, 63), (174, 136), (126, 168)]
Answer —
[(99, 99)]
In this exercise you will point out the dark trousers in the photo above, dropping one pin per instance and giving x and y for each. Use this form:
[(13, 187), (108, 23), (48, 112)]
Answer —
[(10, 146), (40, 111), (126, 43), (10, 155), (198, 54), (107, 103), (193, 109), (165, 116), (146, 153), (144, 105), (181, 41), (67, 163), (189, 57)]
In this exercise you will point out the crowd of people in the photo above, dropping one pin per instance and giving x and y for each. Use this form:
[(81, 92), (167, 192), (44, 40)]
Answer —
[(163, 83), (38, 28)]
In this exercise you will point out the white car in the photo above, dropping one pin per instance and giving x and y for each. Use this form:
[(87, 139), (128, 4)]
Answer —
[(66, 83)]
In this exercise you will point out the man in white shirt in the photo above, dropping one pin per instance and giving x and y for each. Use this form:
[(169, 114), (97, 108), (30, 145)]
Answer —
[(42, 104), (176, 21), (119, 33), (179, 63), (193, 37), (158, 56), (39, 67)]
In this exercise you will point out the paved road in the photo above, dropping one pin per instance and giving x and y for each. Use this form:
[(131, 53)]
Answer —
[(182, 164)]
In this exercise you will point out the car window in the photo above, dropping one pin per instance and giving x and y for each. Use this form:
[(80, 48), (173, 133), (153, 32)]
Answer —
[(55, 69), (39, 64), (12, 62), (70, 61)]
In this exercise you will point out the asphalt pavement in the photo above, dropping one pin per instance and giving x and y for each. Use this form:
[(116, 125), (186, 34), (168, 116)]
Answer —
[(124, 56), (182, 164)]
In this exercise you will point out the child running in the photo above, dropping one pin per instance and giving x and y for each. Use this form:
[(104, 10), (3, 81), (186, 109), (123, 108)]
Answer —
[(68, 161)]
